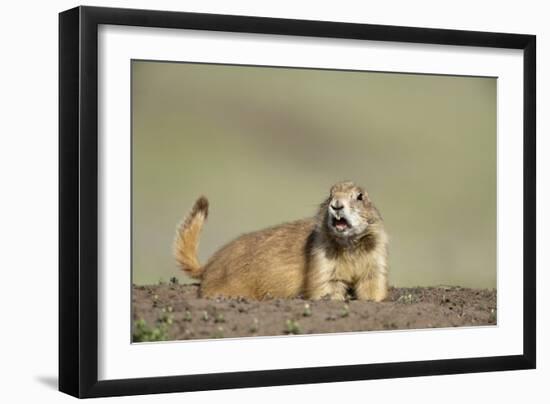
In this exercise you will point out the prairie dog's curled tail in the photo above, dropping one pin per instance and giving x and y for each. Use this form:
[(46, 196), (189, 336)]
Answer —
[(186, 242)]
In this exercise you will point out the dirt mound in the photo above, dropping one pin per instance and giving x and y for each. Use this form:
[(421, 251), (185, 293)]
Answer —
[(173, 312)]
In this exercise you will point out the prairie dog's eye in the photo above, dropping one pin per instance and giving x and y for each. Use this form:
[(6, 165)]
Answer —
[(360, 197)]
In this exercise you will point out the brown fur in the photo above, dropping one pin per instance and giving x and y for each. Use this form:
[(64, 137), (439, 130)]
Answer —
[(186, 242), (305, 257)]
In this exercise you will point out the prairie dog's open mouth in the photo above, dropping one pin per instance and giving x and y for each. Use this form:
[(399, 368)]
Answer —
[(340, 224)]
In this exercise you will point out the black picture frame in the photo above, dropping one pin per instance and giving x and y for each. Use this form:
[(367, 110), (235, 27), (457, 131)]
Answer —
[(78, 201)]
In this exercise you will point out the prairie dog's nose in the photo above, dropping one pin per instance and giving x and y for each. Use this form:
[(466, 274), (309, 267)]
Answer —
[(336, 205)]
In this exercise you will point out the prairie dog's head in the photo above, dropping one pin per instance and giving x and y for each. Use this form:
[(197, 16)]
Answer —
[(348, 211)]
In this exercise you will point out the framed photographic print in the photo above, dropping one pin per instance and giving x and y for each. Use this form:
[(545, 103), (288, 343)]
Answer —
[(249, 201)]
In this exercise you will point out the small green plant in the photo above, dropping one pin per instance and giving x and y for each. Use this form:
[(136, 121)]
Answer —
[(493, 316), (254, 326), (219, 318), (165, 318), (307, 310), (407, 299), (174, 280), (218, 333), (205, 316), (144, 333), (293, 327), (187, 316), (345, 311)]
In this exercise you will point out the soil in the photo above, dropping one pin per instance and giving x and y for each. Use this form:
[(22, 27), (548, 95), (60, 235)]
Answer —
[(173, 312)]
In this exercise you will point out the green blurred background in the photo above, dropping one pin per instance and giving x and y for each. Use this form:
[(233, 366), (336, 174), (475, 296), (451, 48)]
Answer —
[(265, 145)]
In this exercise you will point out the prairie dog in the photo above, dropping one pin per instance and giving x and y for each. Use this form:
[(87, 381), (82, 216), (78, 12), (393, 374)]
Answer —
[(342, 248)]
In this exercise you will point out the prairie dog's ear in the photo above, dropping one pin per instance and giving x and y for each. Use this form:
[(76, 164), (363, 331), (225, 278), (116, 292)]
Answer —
[(361, 194)]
